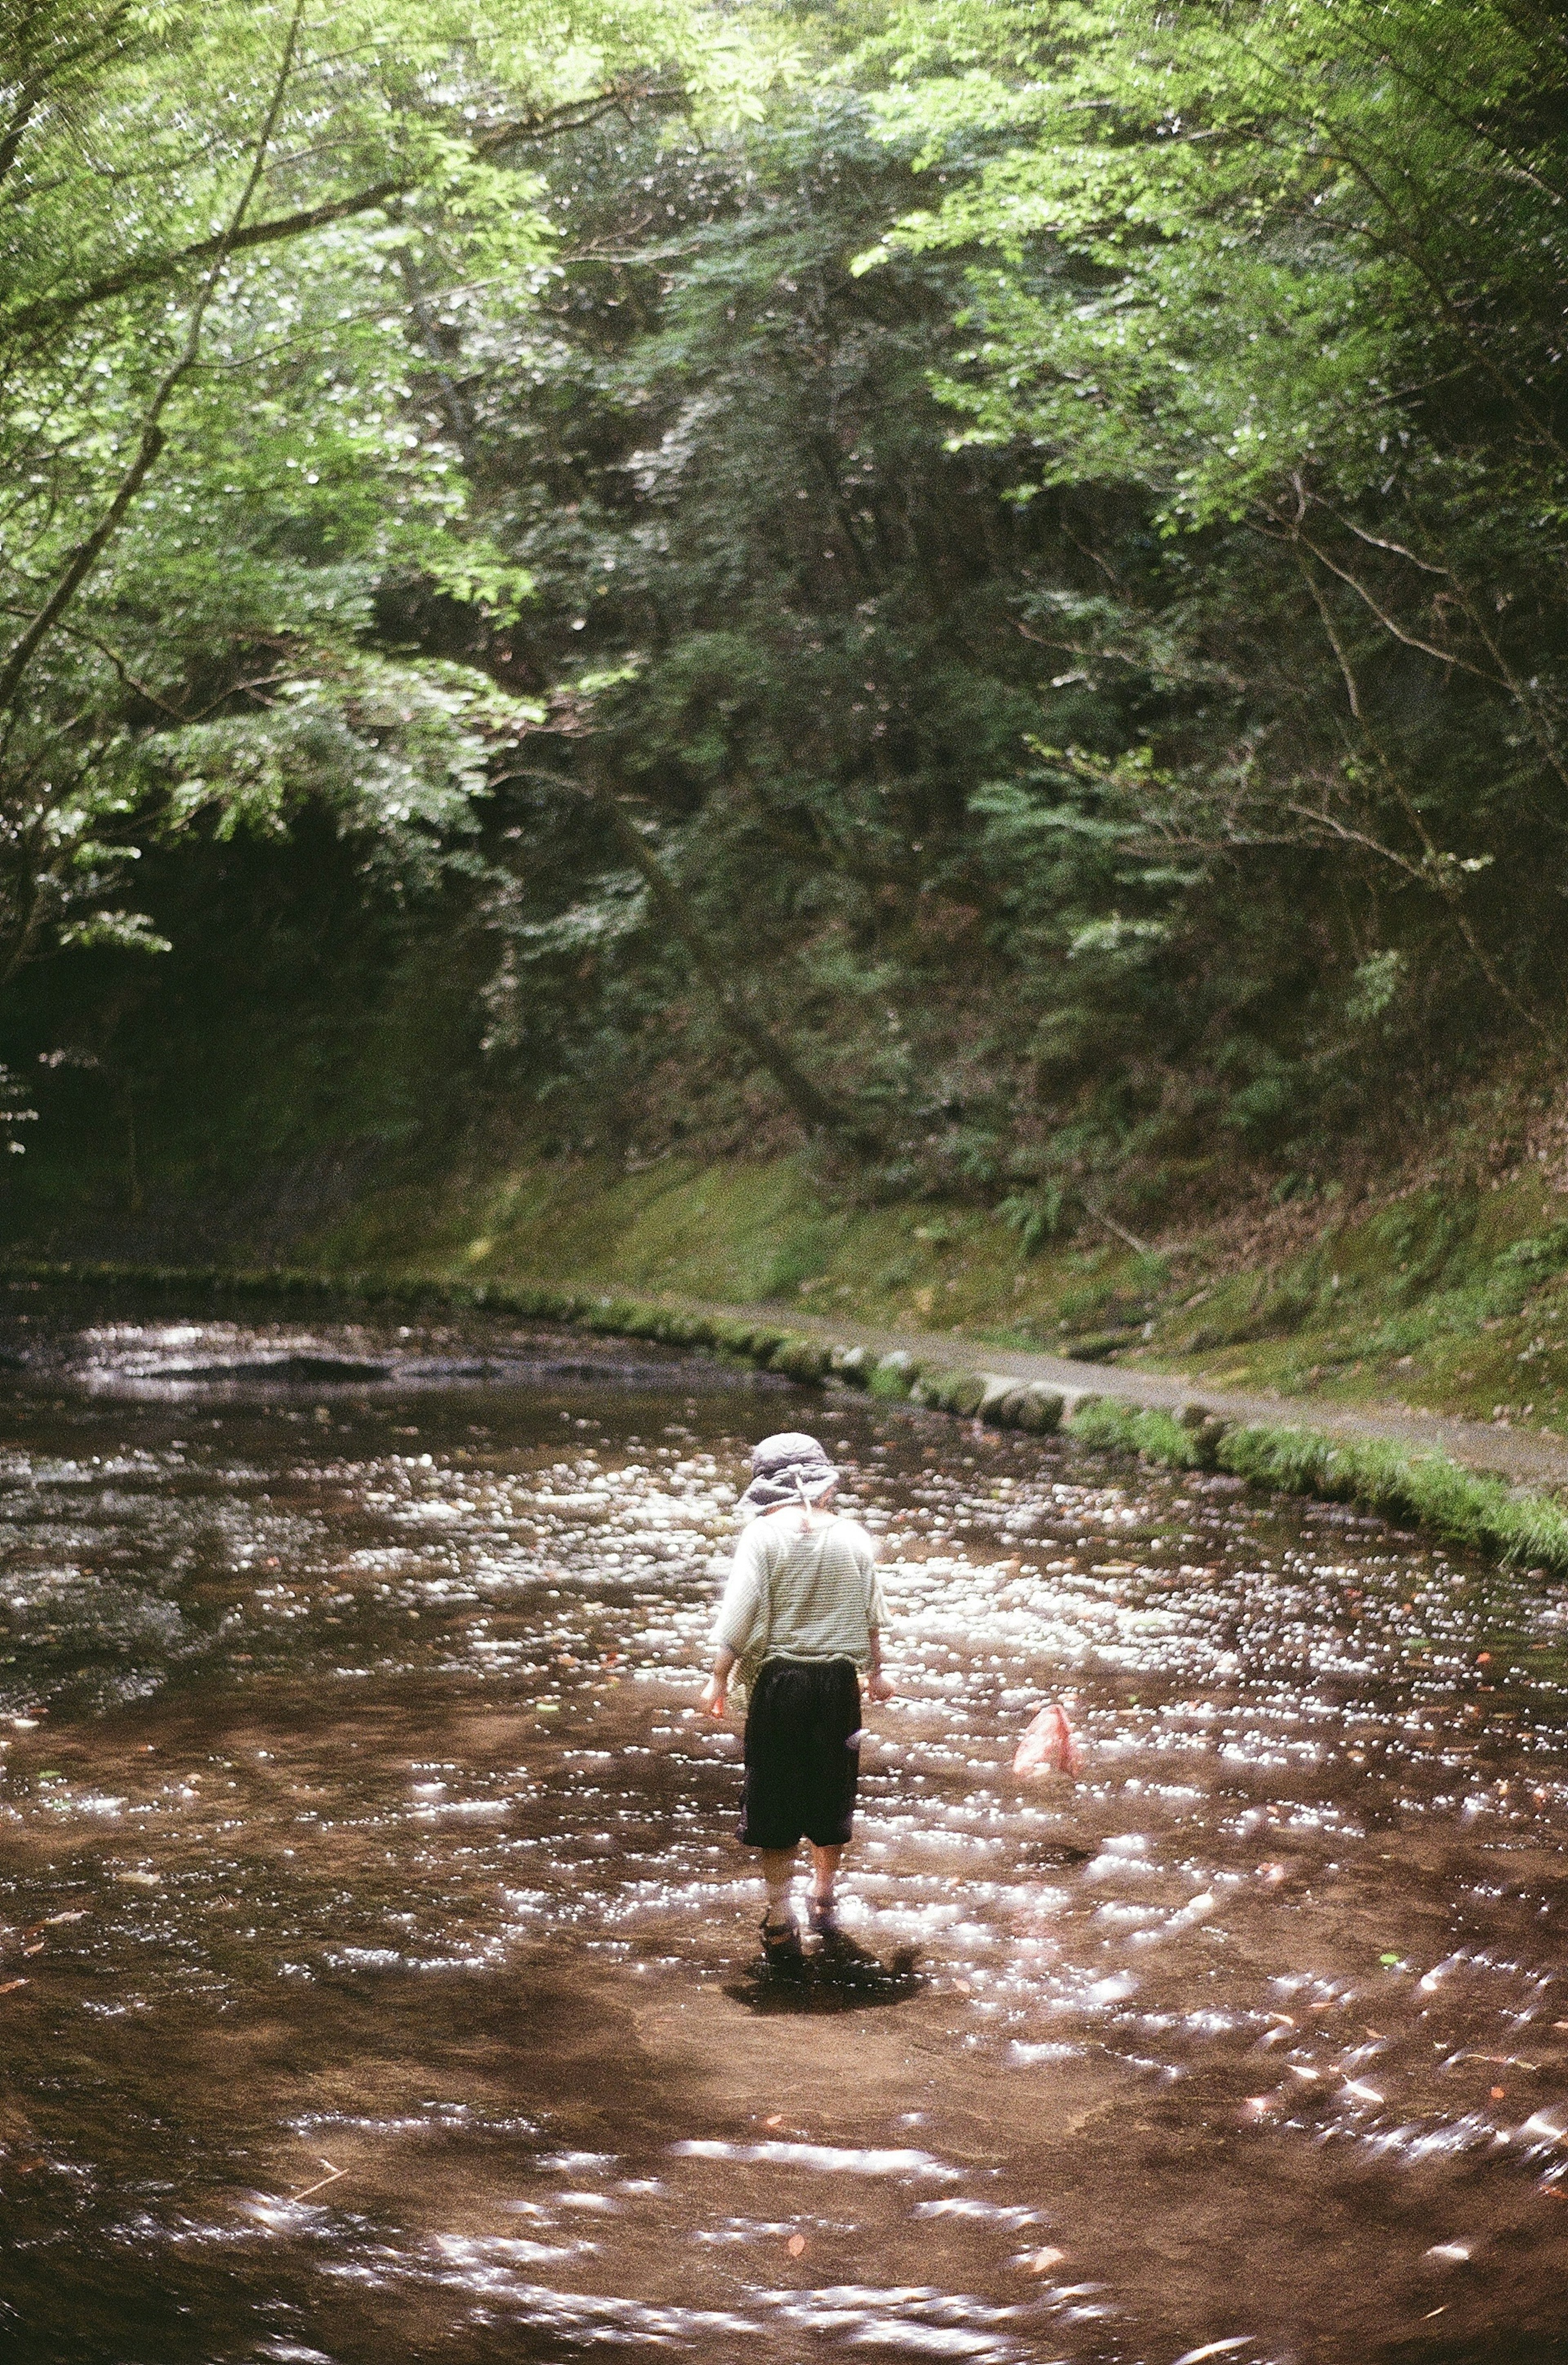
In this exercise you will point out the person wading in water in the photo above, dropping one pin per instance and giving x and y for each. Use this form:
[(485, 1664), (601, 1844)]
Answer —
[(801, 1619)]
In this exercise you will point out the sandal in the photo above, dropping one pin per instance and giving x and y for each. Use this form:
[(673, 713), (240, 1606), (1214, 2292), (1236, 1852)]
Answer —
[(781, 1946), (826, 1925)]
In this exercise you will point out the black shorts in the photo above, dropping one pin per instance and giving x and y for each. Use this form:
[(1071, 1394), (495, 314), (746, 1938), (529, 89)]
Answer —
[(802, 1753)]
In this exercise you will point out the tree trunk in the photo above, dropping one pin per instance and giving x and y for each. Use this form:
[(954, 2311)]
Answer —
[(816, 1111)]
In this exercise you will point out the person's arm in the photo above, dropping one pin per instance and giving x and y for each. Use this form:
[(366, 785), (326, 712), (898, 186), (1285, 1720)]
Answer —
[(735, 1626), (716, 1690), (877, 1683)]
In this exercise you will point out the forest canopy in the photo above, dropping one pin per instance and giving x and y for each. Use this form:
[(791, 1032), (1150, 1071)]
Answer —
[(980, 583)]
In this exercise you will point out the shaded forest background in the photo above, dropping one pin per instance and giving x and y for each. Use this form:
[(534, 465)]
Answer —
[(978, 590)]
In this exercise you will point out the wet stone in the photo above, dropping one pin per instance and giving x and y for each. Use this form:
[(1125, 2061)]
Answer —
[(380, 1975)]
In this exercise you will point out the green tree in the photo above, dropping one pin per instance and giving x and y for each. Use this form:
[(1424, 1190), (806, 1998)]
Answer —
[(215, 224), (717, 454), (1293, 276), (828, 652), (1045, 653)]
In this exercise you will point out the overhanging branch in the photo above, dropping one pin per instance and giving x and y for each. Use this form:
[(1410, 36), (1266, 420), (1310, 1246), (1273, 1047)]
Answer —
[(153, 270)]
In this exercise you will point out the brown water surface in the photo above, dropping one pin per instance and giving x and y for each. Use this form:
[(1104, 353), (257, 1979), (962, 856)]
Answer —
[(376, 1963)]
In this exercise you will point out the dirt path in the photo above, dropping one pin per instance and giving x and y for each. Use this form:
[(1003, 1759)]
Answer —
[(1523, 1455)]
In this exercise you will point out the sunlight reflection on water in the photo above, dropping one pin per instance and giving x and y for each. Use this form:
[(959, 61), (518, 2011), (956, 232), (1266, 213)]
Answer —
[(376, 1955)]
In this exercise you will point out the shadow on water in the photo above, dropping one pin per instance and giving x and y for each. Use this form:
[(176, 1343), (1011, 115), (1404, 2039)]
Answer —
[(850, 1978)]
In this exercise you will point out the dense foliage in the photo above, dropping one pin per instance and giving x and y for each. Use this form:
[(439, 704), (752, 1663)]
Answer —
[(221, 486), (1297, 276), (994, 593)]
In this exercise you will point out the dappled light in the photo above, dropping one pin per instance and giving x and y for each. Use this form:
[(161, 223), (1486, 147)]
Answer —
[(378, 1953), (728, 716)]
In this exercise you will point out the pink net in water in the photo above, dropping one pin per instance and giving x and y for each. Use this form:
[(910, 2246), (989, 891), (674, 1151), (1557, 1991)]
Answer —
[(1049, 1745)]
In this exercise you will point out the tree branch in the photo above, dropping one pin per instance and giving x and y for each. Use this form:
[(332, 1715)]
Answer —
[(80, 564), (1293, 532), (812, 1106), (44, 81), (152, 270)]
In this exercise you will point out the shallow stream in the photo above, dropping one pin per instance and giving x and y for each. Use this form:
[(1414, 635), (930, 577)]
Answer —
[(378, 1971)]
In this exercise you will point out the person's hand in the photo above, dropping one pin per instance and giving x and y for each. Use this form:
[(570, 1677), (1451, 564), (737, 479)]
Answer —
[(880, 1686), (715, 1697)]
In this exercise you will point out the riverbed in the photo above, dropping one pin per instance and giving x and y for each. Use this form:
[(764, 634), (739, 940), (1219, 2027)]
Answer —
[(378, 1970)]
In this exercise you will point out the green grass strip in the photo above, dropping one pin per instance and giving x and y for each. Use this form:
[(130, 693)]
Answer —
[(1122, 1429), (1463, 1506)]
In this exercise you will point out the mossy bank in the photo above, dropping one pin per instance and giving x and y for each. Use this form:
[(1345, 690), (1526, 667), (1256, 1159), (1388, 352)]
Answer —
[(1451, 1297)]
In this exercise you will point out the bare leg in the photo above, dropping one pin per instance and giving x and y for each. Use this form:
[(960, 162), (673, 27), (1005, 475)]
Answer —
[(778, 1871), (825, 1871)]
